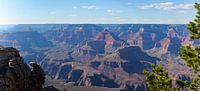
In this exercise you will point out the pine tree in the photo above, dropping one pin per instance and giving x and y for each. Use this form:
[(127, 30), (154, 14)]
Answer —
[(194, 27), (191, 55), (158, 79)]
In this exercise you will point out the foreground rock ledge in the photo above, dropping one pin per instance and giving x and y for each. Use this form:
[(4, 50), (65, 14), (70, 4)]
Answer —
[(15, 75)]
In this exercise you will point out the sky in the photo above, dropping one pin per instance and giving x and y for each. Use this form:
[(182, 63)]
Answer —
[(96, 11)]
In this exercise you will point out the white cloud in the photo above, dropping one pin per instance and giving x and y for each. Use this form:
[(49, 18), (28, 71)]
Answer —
[(89, 7), (167, 6)]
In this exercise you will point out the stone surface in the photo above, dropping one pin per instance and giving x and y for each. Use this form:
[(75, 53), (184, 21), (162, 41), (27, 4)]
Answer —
[(15, 75)]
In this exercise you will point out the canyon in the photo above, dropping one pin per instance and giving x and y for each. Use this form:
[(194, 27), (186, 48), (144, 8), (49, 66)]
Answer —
[(100, 55)]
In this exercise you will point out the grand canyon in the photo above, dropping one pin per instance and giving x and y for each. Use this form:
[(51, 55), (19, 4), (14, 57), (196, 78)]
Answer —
[(109, 57)]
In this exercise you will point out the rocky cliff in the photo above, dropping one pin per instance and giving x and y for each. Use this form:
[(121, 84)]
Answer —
[(15, 75)]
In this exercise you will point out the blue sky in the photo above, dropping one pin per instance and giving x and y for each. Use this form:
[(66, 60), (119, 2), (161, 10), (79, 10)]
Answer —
[(96, 11)]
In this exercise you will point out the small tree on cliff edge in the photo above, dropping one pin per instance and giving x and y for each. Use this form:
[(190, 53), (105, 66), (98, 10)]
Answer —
[(191, 55), (157, 79)]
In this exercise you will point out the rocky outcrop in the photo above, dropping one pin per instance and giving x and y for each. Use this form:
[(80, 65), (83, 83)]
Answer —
[(112, 42), (108, 37), (15, 75), (136, 40), (163, 45)]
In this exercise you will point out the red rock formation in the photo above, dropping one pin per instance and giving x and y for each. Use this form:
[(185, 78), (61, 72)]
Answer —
[(108, 37), (136, 39)]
